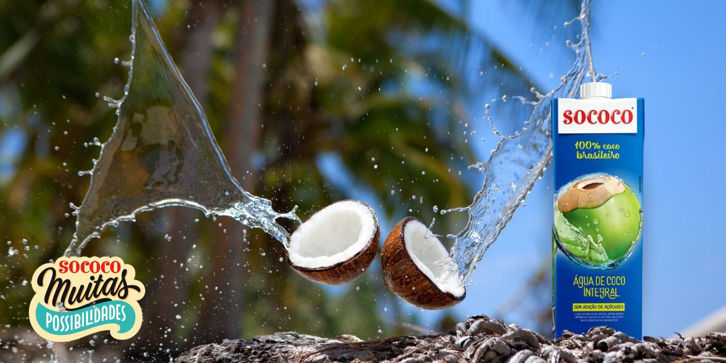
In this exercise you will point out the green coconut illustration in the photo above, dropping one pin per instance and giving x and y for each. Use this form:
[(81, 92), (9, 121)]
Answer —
[(598, 221)]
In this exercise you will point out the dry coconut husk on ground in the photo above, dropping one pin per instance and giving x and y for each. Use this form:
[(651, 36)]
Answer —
[(478, 339)]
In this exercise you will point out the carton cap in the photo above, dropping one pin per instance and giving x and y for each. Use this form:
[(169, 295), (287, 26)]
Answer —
[(596, 89)]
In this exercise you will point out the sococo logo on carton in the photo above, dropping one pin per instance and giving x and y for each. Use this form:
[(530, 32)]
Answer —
[(602, 116), (78, 296)]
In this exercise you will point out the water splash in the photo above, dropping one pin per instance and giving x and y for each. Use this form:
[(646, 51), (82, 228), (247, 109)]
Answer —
[(162, 152), (518, 161)]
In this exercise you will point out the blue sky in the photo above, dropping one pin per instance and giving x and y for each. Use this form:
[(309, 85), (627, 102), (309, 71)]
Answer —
[(673, 56)]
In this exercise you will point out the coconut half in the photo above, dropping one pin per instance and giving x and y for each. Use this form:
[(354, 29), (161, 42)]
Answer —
[(417, 267), (336, 244)]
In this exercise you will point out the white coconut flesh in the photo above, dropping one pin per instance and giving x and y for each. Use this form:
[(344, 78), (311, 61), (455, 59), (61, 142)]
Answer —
[(332, 235), (431, 258)]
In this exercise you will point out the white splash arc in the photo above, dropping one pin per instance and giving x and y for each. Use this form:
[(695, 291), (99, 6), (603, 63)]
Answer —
[(517, 162), (162, 152)]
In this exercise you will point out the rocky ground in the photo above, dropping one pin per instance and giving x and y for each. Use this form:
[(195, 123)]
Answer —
[(478, 339)]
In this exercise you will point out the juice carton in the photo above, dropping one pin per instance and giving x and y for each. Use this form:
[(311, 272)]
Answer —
[(598, 219)]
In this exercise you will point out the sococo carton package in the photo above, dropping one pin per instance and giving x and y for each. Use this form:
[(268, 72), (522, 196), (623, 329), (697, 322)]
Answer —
[(597, 246)]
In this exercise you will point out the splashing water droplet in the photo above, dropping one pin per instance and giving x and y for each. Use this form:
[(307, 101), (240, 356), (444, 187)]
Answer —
[(162, 152), (511, 171)]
